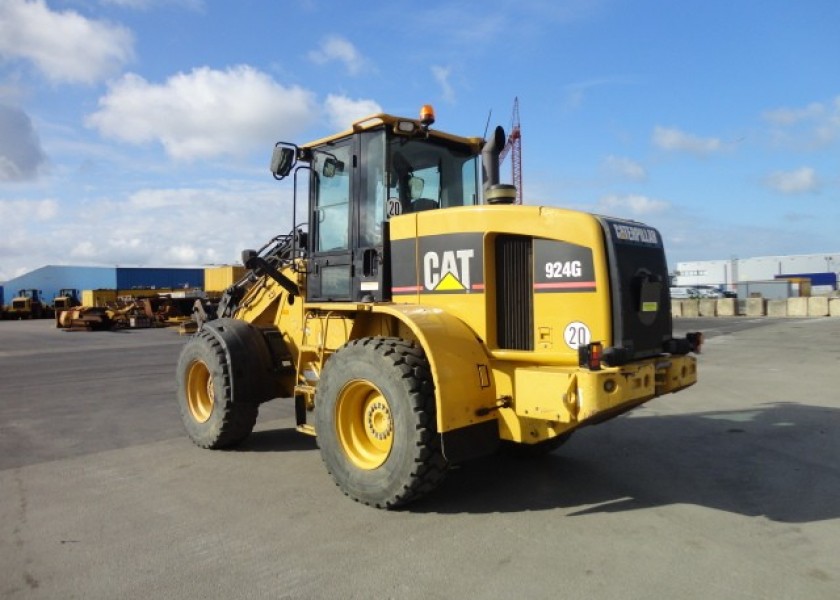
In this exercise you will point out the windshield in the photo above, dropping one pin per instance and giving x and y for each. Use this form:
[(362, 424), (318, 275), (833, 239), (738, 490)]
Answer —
[(426, 173)]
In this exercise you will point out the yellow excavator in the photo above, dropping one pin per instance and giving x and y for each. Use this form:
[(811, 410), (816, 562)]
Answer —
[(418, 318)]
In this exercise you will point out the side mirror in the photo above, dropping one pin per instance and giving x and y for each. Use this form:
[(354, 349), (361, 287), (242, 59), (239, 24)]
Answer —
[(332, 166), (248, 257), (282, 161)]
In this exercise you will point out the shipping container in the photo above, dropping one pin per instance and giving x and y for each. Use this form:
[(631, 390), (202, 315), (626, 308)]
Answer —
[(218, 279), (98, 297)]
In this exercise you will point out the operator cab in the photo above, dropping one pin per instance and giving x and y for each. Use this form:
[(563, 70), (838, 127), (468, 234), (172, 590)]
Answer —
[(383, 168)]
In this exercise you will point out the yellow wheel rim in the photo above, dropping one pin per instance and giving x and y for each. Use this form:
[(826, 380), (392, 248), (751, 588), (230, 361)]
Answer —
[(200, 396), (364, 424)]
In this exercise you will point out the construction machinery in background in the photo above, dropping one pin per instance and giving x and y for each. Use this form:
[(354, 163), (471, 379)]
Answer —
[(418, 318), (66, 298), (127, 312), (27, 305)]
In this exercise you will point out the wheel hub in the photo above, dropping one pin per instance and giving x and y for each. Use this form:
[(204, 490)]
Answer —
[(379, 420), (200, 392), (364, 424)]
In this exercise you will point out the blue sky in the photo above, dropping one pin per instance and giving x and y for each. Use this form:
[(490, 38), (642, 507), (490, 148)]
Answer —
[(138, 132)]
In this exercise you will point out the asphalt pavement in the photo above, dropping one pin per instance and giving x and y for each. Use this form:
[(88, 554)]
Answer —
[(730, 489)]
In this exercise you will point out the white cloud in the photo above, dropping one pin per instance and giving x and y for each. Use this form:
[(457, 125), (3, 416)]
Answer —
[(576, 93), (204, 113), (799, 181), (147, 4), (342, 111), (441, 75), (633, 205), (14, 213), (84, 250), (672, 139), (337, 48), (625, 167), (789, 116), (814, 125), (151, 227), (21, 155), (65, 46), (19, 221)]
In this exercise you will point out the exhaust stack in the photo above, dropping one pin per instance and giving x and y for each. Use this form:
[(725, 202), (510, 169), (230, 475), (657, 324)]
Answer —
[(495, 192)]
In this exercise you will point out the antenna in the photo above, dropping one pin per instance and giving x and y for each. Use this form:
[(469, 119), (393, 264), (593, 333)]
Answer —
[(487, 124)]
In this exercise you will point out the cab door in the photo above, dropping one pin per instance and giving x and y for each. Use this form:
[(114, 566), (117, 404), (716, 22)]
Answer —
[(348, 221), (331, 264), (371, 271)]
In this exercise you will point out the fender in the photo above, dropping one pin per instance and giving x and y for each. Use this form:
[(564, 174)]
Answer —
[(254, 373), (465, 392)]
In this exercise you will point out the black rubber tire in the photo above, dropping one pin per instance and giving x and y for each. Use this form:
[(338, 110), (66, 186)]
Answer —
[(414, 464), (525, 451), (226, 421)]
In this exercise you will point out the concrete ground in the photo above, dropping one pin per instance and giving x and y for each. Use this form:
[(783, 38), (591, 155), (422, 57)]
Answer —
[(728, 490)]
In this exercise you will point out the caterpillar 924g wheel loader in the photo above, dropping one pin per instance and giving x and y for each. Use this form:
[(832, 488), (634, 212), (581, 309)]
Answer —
[(418, 318)]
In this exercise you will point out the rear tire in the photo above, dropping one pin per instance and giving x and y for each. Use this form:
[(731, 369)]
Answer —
[(212, 415), (376, 422)]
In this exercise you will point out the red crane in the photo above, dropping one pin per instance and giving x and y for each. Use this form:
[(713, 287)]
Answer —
[(514, 147)]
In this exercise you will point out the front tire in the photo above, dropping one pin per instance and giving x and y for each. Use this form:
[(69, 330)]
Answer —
[(376, 422), (212, 415)]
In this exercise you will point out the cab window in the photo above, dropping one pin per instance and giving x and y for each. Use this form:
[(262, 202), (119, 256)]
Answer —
[(332, 198)]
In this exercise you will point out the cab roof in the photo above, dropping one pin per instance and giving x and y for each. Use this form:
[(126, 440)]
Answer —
[(377, 120)]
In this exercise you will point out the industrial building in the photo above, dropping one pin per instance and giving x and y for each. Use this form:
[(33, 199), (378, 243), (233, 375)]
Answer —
[(52, 278), (768, 274)]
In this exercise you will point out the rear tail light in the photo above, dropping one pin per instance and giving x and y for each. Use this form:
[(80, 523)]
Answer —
[(589, 356)]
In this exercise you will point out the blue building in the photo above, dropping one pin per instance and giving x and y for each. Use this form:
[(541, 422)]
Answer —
[(52, 278), (146, 277)]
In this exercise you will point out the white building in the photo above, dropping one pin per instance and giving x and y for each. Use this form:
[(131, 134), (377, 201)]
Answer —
[(823, 270)]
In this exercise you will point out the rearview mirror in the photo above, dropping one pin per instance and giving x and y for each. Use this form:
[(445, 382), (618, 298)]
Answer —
[(332, 166), (282, 161)]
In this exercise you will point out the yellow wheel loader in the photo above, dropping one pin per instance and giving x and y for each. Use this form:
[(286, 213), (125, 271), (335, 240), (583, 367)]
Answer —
[(418, 318), (27, 305)]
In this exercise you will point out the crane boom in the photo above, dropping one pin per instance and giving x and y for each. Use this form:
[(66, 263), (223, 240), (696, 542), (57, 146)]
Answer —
[(514, 148)]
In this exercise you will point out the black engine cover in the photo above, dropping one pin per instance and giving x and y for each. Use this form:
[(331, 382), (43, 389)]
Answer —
[(641, 300)]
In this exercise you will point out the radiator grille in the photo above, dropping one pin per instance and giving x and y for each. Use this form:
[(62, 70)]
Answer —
[(514, 293)]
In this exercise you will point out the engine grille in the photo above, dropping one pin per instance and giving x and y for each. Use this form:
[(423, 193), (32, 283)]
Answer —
[(514, 293)]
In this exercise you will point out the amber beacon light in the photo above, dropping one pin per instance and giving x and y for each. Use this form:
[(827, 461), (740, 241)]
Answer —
[(427, 115)]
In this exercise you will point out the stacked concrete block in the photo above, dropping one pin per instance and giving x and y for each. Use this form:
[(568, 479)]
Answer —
[(676, 308), (797, 307), (756, 307), (777, 308), (727, 307), (708, 307), (818, 306), (691, 308), (815, 306)]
